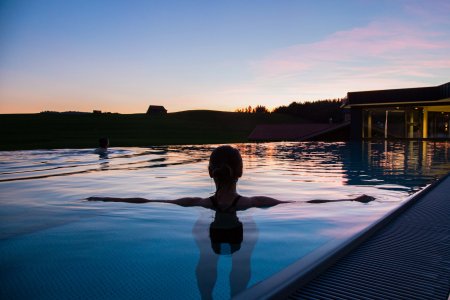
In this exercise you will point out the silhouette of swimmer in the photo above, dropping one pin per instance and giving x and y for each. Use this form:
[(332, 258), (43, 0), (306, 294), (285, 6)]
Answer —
[(102, 150), (226, 232), (225, 167)]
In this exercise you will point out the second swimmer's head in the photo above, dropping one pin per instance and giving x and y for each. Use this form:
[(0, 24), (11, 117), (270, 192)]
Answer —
[(225, 165)]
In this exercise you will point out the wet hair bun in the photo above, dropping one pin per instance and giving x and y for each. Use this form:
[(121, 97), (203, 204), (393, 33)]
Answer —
[(225, 164), (223, 173)]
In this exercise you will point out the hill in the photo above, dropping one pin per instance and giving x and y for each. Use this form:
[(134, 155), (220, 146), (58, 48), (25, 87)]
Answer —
[(47, 131)]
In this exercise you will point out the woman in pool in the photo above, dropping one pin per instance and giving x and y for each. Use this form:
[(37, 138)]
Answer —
[(226, 232), (225, 167)]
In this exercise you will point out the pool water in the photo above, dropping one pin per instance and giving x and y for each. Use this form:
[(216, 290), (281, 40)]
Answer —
[(56, 245)]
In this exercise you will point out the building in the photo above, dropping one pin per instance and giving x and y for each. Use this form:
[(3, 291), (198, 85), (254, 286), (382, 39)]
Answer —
[(413, 113), (300, 132), (156, 110)]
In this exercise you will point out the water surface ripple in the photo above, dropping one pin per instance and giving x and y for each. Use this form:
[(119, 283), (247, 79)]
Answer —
[(56, 245)]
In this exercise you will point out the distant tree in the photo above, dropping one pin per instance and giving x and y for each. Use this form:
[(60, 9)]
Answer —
[(49, 112), (253, 110), (260, 109), (316, 111)]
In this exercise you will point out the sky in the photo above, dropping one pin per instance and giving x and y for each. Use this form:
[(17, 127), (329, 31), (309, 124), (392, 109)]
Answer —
[(122, 56)]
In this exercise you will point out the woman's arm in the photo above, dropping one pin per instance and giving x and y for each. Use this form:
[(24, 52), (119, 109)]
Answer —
[(362, 199), (126, 200), (262, 201), (187, 201)]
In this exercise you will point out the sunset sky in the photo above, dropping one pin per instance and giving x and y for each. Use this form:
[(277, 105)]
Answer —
[(121, 56)]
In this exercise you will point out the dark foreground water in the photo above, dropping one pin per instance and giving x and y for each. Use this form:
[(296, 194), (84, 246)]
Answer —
[(55, 245)]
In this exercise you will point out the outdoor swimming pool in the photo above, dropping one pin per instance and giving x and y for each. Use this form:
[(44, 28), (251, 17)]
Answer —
[(55, 245)]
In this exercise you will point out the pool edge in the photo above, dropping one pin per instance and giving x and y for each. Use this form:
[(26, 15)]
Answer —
[(298, 274)]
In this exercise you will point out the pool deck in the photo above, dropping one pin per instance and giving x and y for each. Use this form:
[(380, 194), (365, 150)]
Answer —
[(404, 255)]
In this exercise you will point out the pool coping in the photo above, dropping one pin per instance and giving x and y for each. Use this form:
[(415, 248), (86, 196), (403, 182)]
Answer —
[(298, 274)]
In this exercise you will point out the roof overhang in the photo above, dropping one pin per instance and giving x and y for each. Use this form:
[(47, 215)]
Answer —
[(418, 96), (400, 103)]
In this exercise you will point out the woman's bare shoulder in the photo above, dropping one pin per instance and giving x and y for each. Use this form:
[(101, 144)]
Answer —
[(259, 201), (193, 201)]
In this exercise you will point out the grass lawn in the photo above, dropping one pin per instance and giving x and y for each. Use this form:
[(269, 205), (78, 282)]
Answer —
[(48, 131)]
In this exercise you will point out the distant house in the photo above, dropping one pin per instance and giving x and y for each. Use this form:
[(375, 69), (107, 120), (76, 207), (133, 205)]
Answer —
[(156, 110), (410, 113)]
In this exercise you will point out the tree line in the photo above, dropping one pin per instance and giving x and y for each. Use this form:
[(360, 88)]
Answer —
[(253, 110), (317, 111)]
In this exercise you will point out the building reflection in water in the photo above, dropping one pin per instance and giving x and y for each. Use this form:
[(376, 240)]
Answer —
[(410, 164)]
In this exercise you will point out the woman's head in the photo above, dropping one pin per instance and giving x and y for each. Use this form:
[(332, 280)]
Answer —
[(225, 165)]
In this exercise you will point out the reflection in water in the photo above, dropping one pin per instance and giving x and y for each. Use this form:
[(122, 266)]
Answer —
[(102, 153), (104, 164), (237, 241), (130, 251), (412, 164), (226, 230)]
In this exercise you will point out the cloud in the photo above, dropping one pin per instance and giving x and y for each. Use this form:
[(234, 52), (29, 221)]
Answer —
[(428, 12), (387, 45), (383, 54)]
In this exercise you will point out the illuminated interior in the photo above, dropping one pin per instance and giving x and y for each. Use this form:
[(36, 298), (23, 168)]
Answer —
[(407, 122), (412, 113)]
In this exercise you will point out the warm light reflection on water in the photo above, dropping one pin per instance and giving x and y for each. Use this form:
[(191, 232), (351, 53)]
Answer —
[(49, 236)]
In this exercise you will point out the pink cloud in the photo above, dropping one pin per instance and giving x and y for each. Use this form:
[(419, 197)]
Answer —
[(411, 50), (390, 43), (435, 12)]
